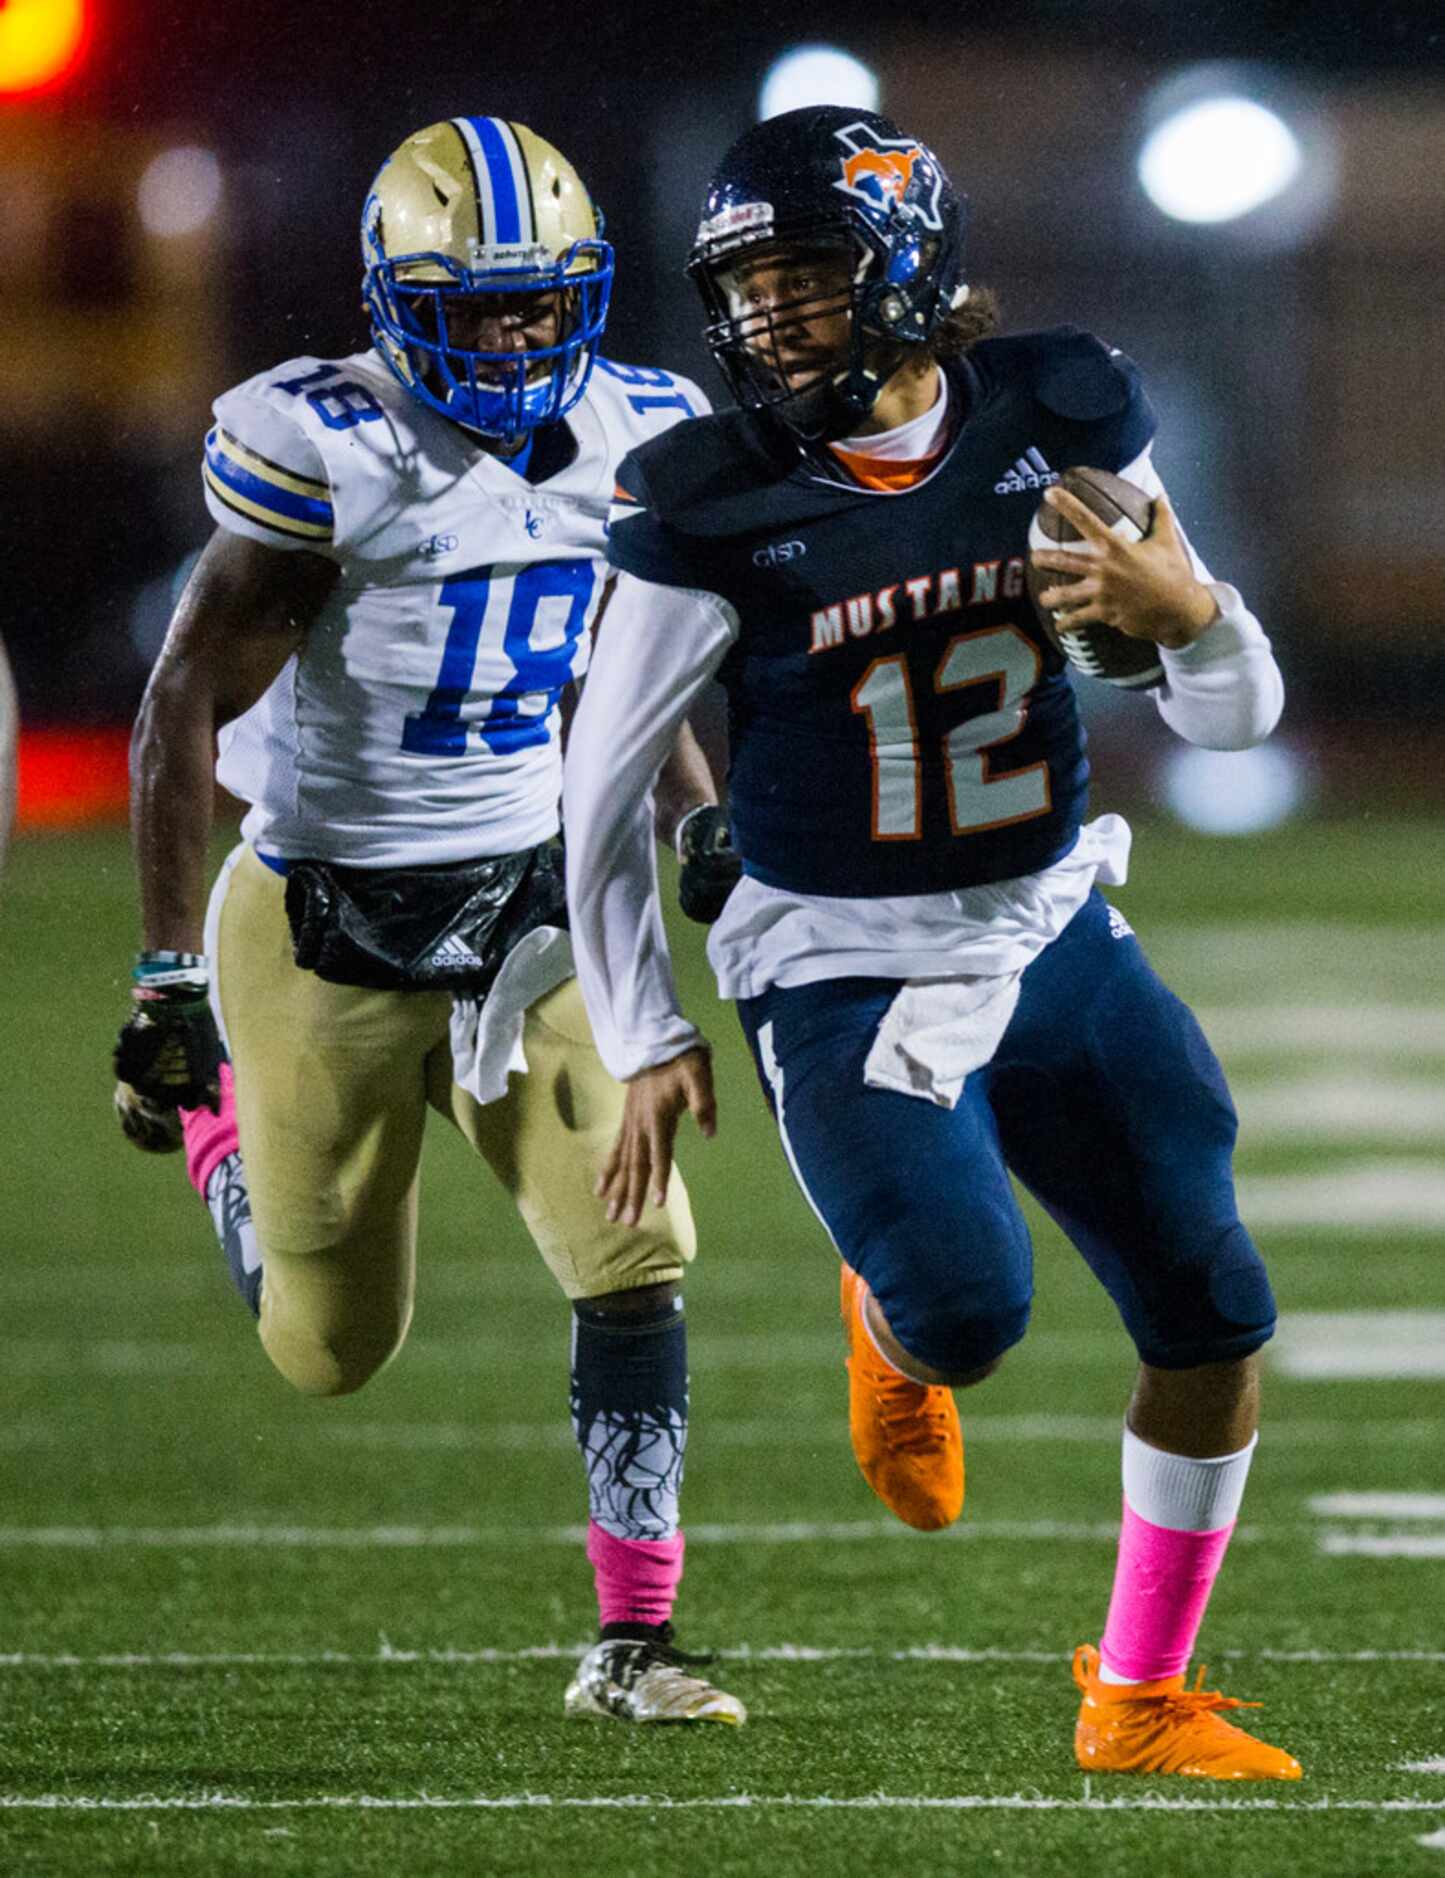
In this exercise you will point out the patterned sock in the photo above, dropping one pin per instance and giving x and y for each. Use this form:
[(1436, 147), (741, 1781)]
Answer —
[(629, 1413), (1179, 1514), (214, 1168), (229, 1201)]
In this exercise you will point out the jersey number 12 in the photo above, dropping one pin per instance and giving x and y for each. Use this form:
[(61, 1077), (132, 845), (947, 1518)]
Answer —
[(977, 800)]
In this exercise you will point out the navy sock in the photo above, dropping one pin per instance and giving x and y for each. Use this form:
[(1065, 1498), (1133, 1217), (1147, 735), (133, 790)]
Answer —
[(629, 1413)]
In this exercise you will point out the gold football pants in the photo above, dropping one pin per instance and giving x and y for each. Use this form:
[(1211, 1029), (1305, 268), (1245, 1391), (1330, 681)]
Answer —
[(333, 1084)]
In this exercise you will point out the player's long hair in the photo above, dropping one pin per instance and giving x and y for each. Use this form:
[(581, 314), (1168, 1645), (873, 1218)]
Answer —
[(965, 325)]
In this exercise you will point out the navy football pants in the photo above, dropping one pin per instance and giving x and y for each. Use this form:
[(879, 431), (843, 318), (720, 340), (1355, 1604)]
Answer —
[(1104, 1099)]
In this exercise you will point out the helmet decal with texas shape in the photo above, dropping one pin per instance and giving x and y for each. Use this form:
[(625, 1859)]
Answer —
[(486, 279), (813, 215), (888, 173)]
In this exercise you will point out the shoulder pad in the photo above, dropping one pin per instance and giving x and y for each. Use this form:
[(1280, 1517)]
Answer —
[(277, 379), (1074, 375), (264, 475), (704, 476)]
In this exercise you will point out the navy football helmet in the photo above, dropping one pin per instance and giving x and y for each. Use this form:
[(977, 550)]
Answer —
[(474, 214), (874, 212)]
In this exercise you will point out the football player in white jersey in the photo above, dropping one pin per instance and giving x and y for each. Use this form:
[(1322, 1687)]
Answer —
[(408, 566)]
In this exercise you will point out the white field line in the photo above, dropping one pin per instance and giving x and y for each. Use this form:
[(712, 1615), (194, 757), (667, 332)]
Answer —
[(556, 1436), (773, 1433), (800, 1532), (447, 1278), (65, 1358), (1434, 1840), (1359, 1345), (1378, 1505), (1382, 1545), (388, 1656), (1434, 1766), (1300, 950), (736, 1802), (357, 1538), (39, 1358), (1102, 1430), (1336, 1108), (1368, 1196), (1414, 1031)]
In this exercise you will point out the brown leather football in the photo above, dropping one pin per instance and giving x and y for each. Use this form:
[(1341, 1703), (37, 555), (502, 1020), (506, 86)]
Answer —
[(1098, 650)]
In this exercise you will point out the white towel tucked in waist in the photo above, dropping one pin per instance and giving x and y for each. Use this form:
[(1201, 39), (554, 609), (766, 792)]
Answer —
[(944, 1025), (487, 1039), (936, 1032)]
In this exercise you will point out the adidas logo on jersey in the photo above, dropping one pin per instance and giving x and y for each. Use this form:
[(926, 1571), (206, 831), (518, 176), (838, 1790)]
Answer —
[(1030, 472), (454, 951), (1119, 927)]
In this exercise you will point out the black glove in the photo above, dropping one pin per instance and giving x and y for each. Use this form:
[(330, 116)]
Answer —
[(168, 1055), (710, 865)]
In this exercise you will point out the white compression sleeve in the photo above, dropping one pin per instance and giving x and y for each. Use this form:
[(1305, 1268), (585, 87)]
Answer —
[(658, 648)]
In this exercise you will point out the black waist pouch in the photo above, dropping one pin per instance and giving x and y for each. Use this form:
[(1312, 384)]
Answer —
[(445, 928)]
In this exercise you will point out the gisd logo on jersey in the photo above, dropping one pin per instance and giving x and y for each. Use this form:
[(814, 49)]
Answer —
[(889, 175)]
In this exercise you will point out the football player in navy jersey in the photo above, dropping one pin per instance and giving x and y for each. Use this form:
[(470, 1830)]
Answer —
[(935, 992), (408, 565)]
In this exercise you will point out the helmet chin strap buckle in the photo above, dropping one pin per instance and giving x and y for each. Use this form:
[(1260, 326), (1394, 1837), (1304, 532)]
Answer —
[(855, 393)]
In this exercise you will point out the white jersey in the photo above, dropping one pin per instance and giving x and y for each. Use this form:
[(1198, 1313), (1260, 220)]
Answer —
[(418, 723)]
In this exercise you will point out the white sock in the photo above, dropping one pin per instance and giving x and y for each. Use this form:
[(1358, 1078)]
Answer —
[(1183, 1494)]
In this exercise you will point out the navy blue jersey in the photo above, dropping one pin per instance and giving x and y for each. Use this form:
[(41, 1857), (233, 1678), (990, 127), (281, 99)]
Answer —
[(899, 720)]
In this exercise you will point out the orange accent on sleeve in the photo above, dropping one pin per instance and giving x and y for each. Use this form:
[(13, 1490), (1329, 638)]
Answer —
[(619, 494)]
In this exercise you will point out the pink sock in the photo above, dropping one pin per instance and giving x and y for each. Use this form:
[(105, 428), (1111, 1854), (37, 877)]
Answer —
[(210, 1138), (1161, 1586), (637, 1579)]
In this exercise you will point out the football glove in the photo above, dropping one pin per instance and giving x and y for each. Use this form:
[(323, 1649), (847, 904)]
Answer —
[(168, 1055), (710, 864)]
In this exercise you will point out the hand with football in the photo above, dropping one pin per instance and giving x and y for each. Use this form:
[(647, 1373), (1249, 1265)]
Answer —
[(1145, 588)]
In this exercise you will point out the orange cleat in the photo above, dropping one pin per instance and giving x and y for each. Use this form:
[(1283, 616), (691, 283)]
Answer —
[(906, 1436), (1164, 1728)]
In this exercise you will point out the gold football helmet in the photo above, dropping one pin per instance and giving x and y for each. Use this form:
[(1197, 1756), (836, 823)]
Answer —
[(478, 228)]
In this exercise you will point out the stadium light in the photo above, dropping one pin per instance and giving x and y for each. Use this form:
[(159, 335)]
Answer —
[(1235, 792), (40, 41), (1240, 149), (1218, 159), (179, 191), (816, 74)]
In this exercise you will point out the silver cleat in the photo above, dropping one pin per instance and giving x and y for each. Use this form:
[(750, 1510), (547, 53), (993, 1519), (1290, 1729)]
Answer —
[(647, 1680)]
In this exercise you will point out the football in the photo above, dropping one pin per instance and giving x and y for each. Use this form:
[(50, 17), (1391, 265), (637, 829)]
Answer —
[(1099, 650)]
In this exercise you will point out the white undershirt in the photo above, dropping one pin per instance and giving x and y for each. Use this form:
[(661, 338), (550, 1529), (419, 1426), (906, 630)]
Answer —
[(905, 443), (661, 646)]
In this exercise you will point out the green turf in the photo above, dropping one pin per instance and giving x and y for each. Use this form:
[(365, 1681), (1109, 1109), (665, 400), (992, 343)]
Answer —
[(152, 1466)]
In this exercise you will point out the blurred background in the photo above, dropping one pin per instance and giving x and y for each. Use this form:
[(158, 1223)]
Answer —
[(1247, 199)]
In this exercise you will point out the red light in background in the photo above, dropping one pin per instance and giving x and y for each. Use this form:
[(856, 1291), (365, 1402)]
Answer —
[(40, 42), (70, 778)]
